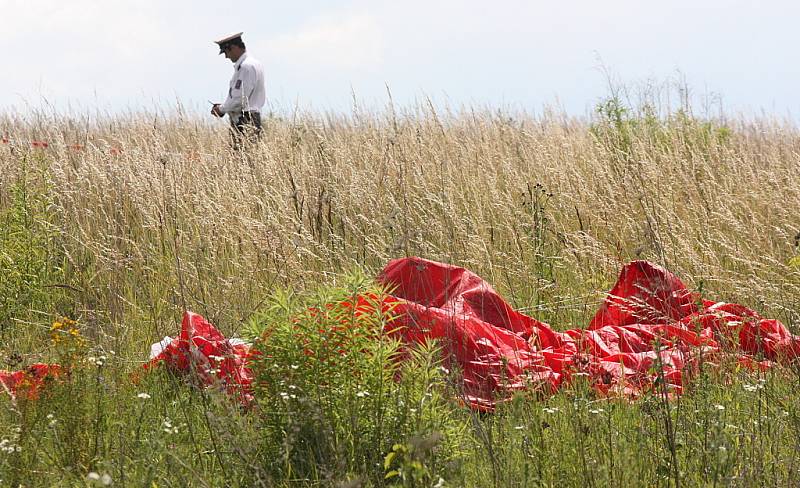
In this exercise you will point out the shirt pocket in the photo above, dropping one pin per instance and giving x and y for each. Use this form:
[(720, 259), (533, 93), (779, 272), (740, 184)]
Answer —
[(234, 85)]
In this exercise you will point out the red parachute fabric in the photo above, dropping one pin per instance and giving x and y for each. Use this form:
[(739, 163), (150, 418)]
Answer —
[(483, 337), (201, 349), (650, 329), (650, 332), (28, 382), (645, 294)]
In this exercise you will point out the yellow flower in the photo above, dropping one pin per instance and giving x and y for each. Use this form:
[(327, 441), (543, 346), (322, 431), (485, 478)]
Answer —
[(66, 334)]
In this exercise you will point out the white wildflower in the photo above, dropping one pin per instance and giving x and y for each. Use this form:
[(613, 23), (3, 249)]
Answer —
[(143, 396), (168, 427), (96, 361), (99, 479), (719, 407), (362, 394), (7, 446), (550, 409)]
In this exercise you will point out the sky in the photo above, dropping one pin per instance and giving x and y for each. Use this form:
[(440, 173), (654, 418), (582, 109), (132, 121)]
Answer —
[(115, 56)]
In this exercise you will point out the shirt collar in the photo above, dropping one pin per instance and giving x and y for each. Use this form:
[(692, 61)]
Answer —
[(240, 61)]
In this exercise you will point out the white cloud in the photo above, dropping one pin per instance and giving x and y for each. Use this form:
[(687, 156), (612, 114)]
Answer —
[(87, 25), (82, 50), (352, 41), (134, 53)]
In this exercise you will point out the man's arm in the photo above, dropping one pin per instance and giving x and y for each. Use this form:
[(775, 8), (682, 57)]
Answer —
[(234, 101), (241, 91), (248, 78)]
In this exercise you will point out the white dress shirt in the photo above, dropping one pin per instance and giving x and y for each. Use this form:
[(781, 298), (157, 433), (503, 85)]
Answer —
[(246, 92)]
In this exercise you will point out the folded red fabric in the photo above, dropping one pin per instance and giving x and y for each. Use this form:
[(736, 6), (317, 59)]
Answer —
[(650, 331), (215, 361), (29, 382)]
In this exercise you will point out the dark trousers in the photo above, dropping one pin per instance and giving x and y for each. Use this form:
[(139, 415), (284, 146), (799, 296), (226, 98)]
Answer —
[(247, 128)]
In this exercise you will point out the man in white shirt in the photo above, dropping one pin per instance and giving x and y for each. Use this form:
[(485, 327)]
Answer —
[(246, 93)]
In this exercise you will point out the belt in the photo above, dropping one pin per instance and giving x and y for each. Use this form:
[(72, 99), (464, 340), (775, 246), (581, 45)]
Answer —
[(252, 114)]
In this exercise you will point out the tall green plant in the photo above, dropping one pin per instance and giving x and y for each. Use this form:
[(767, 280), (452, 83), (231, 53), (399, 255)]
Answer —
[(336, 393), (30, 270)]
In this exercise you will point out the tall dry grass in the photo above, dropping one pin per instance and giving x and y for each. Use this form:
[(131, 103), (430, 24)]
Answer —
[(545, 208)]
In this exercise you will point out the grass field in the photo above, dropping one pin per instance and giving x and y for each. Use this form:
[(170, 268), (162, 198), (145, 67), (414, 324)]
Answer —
[(154, 216)]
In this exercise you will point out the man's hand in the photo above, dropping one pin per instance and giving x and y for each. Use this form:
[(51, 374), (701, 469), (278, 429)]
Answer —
[(216, 111)]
